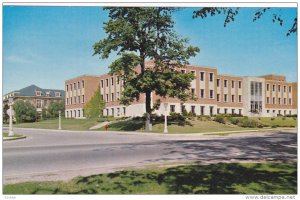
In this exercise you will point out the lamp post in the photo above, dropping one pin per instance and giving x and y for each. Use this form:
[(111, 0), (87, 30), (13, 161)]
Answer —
[(166, 119), (59, 120), (10, 113)]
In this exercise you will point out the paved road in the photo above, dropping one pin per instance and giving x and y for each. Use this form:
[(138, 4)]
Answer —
[(62, 155)]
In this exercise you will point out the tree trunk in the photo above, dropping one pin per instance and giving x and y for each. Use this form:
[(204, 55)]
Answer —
[(148, 125)]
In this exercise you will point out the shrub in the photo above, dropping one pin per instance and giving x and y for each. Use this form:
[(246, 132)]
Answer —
[(220, 119), (24, 111), (272, 118), (284, 118), (176, 117), (234, 121)]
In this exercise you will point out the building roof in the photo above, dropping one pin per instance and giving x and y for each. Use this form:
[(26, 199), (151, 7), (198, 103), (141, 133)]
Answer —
[(31, 91)]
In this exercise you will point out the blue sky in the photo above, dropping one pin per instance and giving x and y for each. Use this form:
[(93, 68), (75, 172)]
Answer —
[(47, 45)]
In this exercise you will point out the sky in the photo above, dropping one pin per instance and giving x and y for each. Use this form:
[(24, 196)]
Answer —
[(47, 45)]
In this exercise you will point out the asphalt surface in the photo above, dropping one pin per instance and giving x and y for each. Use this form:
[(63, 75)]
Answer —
[(63, 155)]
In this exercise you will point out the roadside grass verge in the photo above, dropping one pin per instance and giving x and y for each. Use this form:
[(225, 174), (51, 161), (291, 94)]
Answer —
[(278, 121), (222, 178), (66, 124), (189, 127), (5, 136)]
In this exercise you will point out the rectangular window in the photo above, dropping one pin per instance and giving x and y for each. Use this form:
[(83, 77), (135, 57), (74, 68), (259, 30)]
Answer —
[(290, 89), (82, 98), (240, 98), (102, 84), (274, 100), (78, 111), (218, 110), (106, 97), (240, 111), (211, 77), (38, 103), (193, 92), (82, 83), (232, 84), (202, 93), (74, 86), (112, 81), (71, 100), (284, 101), (118, 96), (183, 109), (71, 87), (78, 99), (240, 84), (232, 111), (279, 100), (78, 85), (202, 110), (218, 97), (211, 94), (38, 93), (225, 83), (290, 101), (268, 100), (218, 82), (74, 100), (211, 110), (268, 87), (279, 88), (225, 97), (274, 88), (112, 97), (193, 109), (67, 88), (45, 103), (57, 94), (106, 82), (118, 80), (268, 111), (284, 88), (172, 108), (225, 110), (232, 98), (67, 101), (201, 76)]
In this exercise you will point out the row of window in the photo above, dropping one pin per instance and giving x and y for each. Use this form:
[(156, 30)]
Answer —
[(112, 97), (75, 86), (111, 111), (202, 109), (39, 103), (279, 101), (74, 113), (278, 88), (211, 96), (279, 112), (39, 93), (107, 82), (75, 100)]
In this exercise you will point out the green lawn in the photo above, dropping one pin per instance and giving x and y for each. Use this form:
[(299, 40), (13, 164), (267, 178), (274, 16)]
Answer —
[(190, 127), (66, 124), (223, 178), (5, 134), (278, 121)]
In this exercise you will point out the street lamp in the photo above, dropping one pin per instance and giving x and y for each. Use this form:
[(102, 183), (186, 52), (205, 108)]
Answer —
[(10, 113), (59, 120), (166, 119)]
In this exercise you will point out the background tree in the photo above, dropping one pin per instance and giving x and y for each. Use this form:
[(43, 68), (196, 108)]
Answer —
[(94, 107), (54, 107), (138, 34), (4, 113), (230, 14), (24, 111)]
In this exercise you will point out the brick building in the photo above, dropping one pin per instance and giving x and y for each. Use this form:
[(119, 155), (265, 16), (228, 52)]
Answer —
[(38, 97), (79, 91), (267, 95)]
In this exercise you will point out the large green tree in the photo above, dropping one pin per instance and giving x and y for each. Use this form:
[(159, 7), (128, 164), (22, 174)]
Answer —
[(24, 111), (94, 107), (54, 108), (146, 33)]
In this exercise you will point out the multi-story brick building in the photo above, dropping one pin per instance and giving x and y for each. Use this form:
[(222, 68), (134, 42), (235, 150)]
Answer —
[(79, 91), (38, 97), (216, 94)]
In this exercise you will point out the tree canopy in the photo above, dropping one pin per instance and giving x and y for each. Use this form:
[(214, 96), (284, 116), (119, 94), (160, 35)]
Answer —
[(94, 107), (138, 34), (24, 111), (230, 14)]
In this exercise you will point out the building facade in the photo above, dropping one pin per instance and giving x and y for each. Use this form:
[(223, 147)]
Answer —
[(262, 96), (38, 97), (79, 91)]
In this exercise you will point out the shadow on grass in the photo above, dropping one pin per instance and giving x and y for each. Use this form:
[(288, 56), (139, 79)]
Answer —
[(222, 178)]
